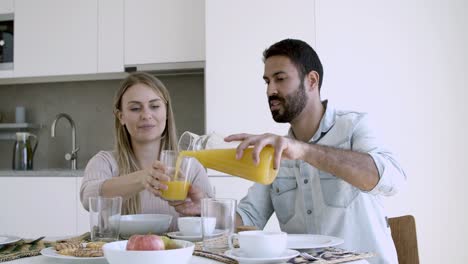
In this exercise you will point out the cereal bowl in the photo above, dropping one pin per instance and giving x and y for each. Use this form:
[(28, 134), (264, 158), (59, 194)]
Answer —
[(144, 224), (116, 253)]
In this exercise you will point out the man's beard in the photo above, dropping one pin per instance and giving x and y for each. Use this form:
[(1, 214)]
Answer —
[(293, 104)]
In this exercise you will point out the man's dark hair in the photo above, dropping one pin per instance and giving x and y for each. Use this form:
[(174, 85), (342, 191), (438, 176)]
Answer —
[(300, 53)]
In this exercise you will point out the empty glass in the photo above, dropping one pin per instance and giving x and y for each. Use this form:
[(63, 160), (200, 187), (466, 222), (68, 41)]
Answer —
[(104, 218), (224, 210)]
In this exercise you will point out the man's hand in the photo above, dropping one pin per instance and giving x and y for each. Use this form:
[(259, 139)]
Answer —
[(192, 205), (285, 148)]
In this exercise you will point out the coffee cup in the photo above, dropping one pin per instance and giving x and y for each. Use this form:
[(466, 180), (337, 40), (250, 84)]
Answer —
[(192, 226), (260, 244)]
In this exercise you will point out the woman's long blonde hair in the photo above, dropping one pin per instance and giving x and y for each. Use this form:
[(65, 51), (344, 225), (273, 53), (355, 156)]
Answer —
[(126, 159)]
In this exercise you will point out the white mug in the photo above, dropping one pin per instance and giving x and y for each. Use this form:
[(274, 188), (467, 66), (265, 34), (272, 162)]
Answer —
[(261, 244)]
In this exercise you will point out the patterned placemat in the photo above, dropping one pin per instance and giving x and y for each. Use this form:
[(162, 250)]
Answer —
[(24, 247)]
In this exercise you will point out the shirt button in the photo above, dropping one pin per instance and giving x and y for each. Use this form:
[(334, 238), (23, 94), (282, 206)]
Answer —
[(306, 181), (277, 190), (309, 211)]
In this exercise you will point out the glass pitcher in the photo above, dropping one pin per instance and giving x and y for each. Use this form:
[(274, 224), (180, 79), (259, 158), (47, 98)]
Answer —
[(213, 152), (23, 151)]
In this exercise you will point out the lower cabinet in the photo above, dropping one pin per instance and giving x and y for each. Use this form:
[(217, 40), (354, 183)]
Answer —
[(37, 206)]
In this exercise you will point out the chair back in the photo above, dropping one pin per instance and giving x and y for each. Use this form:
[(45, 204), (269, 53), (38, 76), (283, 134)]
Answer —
[(404, 236)]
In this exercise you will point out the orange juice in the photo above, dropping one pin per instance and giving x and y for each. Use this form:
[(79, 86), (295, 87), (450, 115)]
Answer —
[(224, 160), (176, 190)]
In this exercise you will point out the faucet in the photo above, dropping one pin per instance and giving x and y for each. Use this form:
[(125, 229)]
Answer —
[(72, 157)]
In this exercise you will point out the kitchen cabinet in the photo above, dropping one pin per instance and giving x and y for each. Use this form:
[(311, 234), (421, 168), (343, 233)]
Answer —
[(6, 7), (82, 216), (110, 36), (160, 31), (35, 206), (55, 37)]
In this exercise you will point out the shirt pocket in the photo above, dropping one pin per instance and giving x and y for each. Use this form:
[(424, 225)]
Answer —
[(283, 192), (336, 192)]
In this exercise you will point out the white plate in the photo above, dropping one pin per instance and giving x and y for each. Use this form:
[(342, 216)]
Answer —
[(5, 240), (240, 256), (179, 235), (52, 253), (307, 241)]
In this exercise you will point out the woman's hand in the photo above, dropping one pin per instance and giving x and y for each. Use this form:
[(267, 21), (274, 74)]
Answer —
[(152, 179), (192, 205)]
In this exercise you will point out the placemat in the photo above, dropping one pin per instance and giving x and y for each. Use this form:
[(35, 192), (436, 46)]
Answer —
[(329, 255), (24, 247)]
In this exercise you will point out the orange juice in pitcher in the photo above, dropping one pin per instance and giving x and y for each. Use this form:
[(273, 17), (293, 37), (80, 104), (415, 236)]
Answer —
[(224, 159)]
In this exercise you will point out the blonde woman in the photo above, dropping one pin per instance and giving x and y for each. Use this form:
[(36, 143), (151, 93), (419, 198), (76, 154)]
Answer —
[(144, 125)]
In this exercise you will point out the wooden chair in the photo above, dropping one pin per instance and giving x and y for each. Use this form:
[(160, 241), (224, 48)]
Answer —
[(404, 236)]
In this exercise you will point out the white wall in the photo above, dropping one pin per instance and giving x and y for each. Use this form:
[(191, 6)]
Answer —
[(404, 62)]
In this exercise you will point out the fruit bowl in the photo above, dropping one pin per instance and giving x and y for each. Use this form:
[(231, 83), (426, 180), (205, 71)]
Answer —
[(116, 253)]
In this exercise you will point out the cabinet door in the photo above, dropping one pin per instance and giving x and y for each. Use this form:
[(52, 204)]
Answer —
[(237, 32), (82, 216), (161, 31), (36, 206), (55, 37), (111, 36), (6, 7)]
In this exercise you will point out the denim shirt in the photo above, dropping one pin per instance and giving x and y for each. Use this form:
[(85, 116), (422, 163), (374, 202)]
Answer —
[(310, 201)]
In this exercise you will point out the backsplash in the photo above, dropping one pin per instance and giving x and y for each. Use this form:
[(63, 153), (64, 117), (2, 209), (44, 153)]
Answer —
[(89, 103)]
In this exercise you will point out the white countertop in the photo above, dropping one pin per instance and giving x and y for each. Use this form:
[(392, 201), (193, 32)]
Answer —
[(42, 173)]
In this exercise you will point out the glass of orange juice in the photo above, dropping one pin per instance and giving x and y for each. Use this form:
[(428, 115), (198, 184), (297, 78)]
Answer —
[(178, 169)]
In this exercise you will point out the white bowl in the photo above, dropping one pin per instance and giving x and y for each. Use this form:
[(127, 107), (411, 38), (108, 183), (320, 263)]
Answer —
[(116, 253), (191, 226), (144, 224)]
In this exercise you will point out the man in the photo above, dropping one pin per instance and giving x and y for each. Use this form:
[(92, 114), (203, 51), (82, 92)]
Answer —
[(333, 173)]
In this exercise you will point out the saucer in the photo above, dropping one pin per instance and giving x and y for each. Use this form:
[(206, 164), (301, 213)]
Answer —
[(195, 238), (5, 240), (240, 256), (309, 241)]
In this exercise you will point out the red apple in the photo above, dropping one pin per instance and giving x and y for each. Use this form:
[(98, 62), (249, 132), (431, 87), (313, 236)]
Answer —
[(145, 242)]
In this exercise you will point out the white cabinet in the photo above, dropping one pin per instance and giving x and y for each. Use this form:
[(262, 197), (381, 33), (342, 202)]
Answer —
[(161, 31), (237, 32), (35, 206), (55, 37), (82, 216), (6, 7), (110, 36)]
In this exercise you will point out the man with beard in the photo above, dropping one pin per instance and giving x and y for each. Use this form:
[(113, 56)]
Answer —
[(332, 173)]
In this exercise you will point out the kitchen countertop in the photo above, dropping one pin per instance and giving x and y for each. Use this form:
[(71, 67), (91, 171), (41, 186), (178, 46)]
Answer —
[(42, 173)]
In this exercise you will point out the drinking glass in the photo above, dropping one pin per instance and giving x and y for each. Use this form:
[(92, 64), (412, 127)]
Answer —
[(224, 210), (178, 168), (104, 218)]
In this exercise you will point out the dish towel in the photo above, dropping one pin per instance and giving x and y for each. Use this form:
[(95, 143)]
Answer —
[(24, 247)]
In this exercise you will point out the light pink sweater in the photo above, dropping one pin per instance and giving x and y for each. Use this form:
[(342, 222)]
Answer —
[(103, 166)]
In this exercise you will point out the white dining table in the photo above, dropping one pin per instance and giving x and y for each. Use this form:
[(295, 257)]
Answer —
[(47, 260)]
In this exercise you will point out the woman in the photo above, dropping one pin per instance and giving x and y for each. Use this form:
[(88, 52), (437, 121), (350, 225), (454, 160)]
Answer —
[(144, 125)]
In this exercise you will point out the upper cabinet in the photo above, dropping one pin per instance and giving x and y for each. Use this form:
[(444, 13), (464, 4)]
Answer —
[(237, 33), (6, 7), (110, 36), (161, 31), (55, 37)]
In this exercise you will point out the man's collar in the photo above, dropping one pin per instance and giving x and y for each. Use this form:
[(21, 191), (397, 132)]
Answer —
[(326, 123)]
